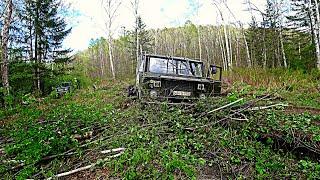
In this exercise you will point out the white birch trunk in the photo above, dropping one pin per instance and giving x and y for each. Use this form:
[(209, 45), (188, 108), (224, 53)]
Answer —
[(111, 57), (225, 37), (135, 5), (230, 47), (264, 48), (101, 60), (199, 32), (227, 43), (199, 43), (300, 57), (224, 60), (249, 63), (279, 8), (237, 54), (317, 33), (283, 51), (111, 9), (4, 47)]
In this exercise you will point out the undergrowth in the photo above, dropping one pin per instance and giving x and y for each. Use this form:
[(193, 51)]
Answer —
[(162, 141), (296, 87)]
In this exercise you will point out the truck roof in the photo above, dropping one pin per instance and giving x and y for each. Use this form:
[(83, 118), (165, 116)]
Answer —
[(172, 57)]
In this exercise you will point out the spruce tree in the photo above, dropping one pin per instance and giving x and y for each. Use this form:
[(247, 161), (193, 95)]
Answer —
[(145, 39), (305, 19), (44, 30)]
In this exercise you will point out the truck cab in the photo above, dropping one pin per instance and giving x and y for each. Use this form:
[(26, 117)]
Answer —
[(166, 77)]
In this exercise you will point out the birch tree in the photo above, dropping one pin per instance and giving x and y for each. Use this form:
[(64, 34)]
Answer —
[(314, 29), (318, 32), (199, 30), (4, 46), (279, 9), (227, 46), (135, 6), (306, 19), (243, 34), (111, 8)]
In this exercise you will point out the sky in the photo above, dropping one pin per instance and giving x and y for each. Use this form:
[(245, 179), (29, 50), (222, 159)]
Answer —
[(88, 16)]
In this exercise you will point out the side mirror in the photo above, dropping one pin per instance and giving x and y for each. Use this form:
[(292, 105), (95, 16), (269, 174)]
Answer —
[(213, 70)]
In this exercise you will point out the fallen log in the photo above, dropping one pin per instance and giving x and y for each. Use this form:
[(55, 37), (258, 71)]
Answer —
[(121, 150), (225, 106), (267, 107), (112, 150)]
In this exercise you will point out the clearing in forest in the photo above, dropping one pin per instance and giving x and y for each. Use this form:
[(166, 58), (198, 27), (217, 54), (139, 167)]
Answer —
[(250, 132)]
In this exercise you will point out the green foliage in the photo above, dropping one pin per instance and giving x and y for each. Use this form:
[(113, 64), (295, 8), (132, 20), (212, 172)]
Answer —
[(164, 141), (37, 134), (295, 86), (145, 38), (42, 23)]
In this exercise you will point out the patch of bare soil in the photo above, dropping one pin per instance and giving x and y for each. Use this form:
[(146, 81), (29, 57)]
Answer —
[(90, 174), (301, 110)]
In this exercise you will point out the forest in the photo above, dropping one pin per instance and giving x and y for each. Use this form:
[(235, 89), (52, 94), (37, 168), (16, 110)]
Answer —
[(65, 113)]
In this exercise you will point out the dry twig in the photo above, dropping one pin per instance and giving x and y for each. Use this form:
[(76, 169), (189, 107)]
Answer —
[(225, 106), (121, 150), (267, 107)]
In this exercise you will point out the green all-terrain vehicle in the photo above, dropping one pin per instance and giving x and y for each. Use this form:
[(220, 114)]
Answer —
[(163, 77), (65, 87)]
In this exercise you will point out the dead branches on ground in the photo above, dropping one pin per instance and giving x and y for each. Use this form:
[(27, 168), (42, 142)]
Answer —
[(120, 150)]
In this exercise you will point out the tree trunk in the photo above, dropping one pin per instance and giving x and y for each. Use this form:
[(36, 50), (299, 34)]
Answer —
[(282, 49), (137, 43), (264, 48), (155, 41), (4, 47), (136, 14), (102, 66), (111, 9), (300, 57), (228, 63), (111, 57), (31, 44), (224, 60), (249, 63), (237, 54), (230, 47), (37, 49), (199, 43), (227, 43), (318, 33)]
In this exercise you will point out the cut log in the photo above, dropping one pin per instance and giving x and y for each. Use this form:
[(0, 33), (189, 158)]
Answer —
[(225, 106)]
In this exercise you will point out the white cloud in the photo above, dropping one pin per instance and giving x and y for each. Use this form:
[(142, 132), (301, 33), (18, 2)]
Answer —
[(155, 13)]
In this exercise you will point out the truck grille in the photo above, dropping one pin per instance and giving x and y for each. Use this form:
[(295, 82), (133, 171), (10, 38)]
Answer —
[(169, 86)]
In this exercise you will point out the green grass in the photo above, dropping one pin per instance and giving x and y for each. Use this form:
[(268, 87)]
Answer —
[(163, 141), (296, 87)]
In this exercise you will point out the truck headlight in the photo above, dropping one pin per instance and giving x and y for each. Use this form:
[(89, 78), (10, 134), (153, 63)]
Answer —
[(201, 87), (202, 96), (154, 84), (153, 94)]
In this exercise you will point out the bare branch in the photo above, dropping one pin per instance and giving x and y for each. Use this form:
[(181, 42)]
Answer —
[(91, 165)]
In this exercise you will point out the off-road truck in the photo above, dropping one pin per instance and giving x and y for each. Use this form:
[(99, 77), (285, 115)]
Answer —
[(64, 88), (165, 77)]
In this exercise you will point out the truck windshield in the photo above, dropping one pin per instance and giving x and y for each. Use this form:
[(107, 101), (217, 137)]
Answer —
[(174, 66)]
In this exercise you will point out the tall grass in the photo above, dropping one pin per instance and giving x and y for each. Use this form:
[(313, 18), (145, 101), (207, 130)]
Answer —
[(294, 80), (297, 87)]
